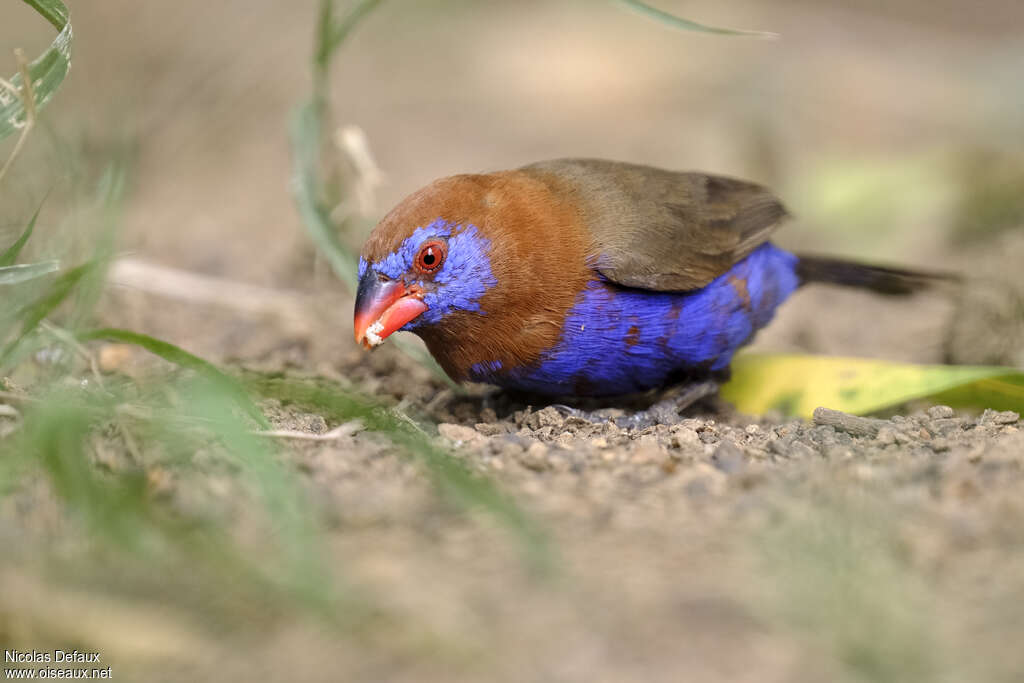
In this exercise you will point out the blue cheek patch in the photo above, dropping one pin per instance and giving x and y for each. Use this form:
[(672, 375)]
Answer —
[(463, 279), (620, 340)]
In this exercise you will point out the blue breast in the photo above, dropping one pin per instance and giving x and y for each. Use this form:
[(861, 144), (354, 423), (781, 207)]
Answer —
[(619, 340)]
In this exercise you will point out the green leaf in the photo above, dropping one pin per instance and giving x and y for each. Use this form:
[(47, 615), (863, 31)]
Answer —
[(47, 72), (12, 275), (797, 384), (10, 256), (184, 359), (687, 25)]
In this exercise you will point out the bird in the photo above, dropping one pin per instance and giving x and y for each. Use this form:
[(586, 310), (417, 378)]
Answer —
[(588, 277)]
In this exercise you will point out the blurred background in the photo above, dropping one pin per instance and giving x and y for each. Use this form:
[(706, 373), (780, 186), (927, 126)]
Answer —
[(892, 129)]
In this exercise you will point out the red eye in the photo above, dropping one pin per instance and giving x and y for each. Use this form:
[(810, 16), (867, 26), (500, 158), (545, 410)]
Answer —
[(431, 256)]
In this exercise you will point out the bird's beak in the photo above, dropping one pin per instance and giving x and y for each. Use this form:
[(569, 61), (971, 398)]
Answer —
[(383, 307)]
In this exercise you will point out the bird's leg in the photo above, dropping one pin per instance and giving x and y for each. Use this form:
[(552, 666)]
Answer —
[(588, 415), (665, 411)]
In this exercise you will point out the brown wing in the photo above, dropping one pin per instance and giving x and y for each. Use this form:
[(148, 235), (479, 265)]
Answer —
[(663, 230)]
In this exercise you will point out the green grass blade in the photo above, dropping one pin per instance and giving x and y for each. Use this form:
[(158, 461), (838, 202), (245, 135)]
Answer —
[(53, 11), (451, 477), (10, 256), (56, 433), (48, 71), (34, 312), (117, 507), (340, 31), (110, 193), (184, 359), (299, 567), (331, 34), (213, 401), (797, 384), (12, 275), (672, 20), (306, 134), (305, 138)]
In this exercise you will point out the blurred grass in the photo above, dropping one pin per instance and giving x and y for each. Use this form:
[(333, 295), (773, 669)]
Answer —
[(70, 415), (678, 22), (12, 275), (24, 95), (315, 192), (47, 72), (106, 445), (11, 254), (453, 478)]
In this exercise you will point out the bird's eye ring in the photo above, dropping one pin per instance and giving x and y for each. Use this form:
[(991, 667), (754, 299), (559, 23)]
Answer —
[(431, 256)]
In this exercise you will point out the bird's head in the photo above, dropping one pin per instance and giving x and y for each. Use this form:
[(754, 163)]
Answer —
[(439, 268), (415, 271), (481, 267)]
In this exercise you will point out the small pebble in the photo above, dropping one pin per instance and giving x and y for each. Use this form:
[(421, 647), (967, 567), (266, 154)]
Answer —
[(491, 428), (545, 417), (459, 434), (708, 436), (886, 436), (940, 412), (536, 457), (945, 426), (684, 438), (799, 449), (728, 458)]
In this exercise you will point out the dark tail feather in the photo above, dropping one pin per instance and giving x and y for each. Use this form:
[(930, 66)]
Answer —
[(896, 281)]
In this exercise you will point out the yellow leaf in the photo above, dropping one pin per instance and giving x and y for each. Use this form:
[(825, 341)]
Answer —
[(796, 384)]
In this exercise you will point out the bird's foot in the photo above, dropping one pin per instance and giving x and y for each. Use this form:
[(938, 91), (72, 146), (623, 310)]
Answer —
[(665, 411), (594, 416)]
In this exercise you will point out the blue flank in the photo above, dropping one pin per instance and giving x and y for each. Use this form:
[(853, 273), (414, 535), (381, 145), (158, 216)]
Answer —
[(463, 279), (618, 340)]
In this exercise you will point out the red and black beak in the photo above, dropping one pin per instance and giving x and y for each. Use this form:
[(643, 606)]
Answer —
[(383, 306)]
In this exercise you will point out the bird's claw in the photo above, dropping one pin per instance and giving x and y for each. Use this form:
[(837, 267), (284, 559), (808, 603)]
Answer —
[(667, 411), (569, 411)]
